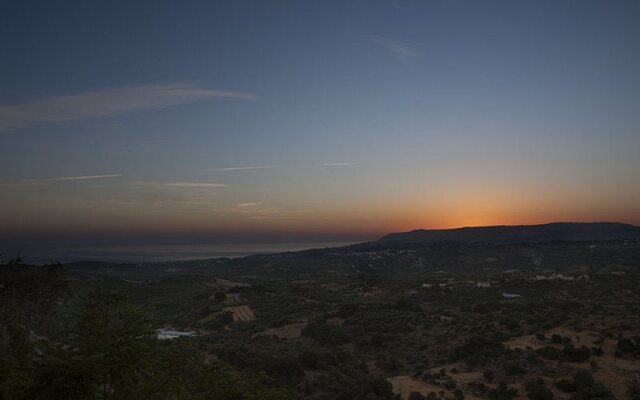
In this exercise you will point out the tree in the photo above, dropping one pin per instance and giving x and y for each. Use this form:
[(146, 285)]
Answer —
[(226, 317), (28, 298), (308, 359), (488, 375), (106, 352), (634, 391), (381, 387), (537, 391), (416, 396), (583, 379)]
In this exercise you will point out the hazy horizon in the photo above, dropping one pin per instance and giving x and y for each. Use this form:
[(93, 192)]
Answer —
[(45, 249)]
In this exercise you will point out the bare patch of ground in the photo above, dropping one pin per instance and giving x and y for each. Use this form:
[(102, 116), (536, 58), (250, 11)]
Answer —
[(404, 385), (585, 338), (241, 313), (288, 331), (468, 377), (226, 283), (615, 373), (229, 284)]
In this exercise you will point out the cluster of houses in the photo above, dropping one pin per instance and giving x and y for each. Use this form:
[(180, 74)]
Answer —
[(450, 283), (557, 277), (453, 283)]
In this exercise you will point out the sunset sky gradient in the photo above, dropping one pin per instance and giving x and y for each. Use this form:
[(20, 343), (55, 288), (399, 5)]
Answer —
[(321, 119)]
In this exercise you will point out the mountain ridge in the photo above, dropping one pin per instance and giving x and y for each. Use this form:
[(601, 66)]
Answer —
[(550, 232)]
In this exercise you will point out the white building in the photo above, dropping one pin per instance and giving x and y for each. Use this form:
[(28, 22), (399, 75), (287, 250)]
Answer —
[(510, 295), (168, 334)]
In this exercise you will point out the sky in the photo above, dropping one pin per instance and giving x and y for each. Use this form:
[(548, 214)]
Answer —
[(253, 120)]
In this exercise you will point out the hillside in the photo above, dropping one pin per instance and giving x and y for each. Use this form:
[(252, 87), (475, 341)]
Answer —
[(559, 231)]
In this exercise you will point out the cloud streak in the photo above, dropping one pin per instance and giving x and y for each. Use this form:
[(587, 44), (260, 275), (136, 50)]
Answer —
[(237, 168), (204, 185), (43, 181), (72, 178), (251, 204), (337, 164), (107, 102), (392, 46)]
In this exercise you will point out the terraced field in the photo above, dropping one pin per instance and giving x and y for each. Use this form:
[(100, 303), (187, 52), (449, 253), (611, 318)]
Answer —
[(241, 313)]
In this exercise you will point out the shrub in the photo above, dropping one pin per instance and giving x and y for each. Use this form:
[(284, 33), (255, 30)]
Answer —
[(571, 353), (627, 345), (551, 353), (595, 392), (308, 359), (566, 386), (326, 334), (481, 309), (381, 387), (503, 392), (597, 351), (514, 368), (479, 346), (539, 392), (284, 366)]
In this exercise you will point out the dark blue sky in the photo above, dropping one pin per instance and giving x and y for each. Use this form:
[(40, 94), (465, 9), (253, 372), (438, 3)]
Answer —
[(316, 117)]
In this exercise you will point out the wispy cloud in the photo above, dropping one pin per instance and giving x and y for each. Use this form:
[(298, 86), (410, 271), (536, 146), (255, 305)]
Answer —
[(72, 178), (238, 168), (247, 210), (42, 181), (337, 164), (245, 205), (206, 185), (256, 211), (108, 102), (392, 46)]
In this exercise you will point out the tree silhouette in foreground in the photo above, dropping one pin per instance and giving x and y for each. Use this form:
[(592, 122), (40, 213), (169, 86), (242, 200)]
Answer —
[(109, 352)]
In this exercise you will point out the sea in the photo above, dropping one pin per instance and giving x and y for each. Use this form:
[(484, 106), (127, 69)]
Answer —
[(44, 254)]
